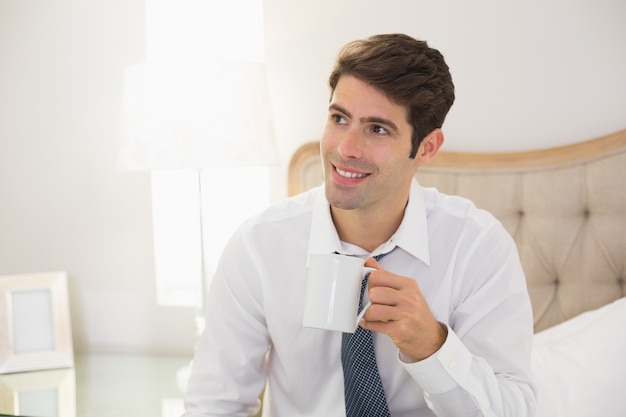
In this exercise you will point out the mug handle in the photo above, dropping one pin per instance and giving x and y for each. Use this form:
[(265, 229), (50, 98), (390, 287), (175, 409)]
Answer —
[(366, 271)]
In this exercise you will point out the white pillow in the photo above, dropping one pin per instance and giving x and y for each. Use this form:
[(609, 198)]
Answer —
[(580, 365)]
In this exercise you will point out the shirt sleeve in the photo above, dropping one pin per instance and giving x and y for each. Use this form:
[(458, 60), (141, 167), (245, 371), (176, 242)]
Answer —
[(483, 367), (228, 370)]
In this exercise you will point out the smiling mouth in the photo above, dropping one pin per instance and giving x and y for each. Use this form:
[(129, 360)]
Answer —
[(347, 174)]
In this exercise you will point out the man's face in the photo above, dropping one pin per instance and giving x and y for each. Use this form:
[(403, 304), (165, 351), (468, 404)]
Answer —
[(365, 149)]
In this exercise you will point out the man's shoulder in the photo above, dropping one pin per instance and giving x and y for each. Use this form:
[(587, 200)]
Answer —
[(456, 206)]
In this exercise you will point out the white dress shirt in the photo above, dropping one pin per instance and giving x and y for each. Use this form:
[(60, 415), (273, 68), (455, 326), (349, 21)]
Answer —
[(467, 267)]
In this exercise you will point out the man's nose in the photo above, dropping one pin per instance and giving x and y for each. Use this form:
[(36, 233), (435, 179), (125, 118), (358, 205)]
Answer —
[(351, 145)]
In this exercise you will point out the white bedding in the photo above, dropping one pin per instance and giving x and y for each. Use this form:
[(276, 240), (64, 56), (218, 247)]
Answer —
[(580, 365)]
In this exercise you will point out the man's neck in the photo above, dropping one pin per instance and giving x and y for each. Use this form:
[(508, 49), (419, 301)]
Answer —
[(367, 230)]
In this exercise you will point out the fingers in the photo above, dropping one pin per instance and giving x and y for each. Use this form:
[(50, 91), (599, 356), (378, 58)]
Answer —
[(380, 313), (400, 310), (372, 263), (393, 297), (393, 305)]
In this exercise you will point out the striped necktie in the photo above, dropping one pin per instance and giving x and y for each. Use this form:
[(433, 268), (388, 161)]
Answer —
[(363, 389)]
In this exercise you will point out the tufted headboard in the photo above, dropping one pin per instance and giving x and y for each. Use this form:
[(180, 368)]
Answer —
[(565, 207)]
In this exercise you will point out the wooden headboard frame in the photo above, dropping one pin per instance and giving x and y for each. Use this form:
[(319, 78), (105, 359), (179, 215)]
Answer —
[(565, 207)]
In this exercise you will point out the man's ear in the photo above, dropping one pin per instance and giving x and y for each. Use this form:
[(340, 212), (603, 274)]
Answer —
[(430, 146)]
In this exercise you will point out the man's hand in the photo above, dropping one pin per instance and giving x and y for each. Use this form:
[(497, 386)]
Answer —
[(399, 310)]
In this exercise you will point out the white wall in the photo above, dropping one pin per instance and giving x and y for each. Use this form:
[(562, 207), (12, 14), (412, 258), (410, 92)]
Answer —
[(529, 75), (63, 204)]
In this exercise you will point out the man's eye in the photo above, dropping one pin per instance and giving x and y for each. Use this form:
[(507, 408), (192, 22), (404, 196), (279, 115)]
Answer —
[(338, 119), (379, 130)]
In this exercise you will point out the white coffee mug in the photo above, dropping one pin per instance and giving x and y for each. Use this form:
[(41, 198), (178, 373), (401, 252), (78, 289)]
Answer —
[(333, 291)]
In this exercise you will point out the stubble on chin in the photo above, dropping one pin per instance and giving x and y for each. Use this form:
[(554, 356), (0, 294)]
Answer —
[(340, 199)]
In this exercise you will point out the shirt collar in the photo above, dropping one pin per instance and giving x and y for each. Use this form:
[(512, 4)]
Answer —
[(412, 235), (323, 237)]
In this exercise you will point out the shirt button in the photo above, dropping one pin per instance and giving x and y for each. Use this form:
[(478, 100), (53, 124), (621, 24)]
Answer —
[(452, 365)]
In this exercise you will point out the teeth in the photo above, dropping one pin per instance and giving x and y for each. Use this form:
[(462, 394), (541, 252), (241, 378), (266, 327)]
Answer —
[(350, 174)]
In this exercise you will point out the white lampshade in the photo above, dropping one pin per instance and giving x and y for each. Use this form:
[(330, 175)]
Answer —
[(196, 116)]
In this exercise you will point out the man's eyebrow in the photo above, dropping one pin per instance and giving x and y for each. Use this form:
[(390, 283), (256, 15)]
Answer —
[(380, 121), (340, 109), (372, 119)]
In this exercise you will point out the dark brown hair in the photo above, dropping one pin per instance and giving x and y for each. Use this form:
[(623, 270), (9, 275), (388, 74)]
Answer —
[(408, 71)]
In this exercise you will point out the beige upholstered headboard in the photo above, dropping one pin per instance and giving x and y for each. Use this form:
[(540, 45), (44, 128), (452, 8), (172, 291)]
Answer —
[(564, 206)]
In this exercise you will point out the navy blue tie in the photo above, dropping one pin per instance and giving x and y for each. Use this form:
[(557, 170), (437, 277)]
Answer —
[(363, 389)]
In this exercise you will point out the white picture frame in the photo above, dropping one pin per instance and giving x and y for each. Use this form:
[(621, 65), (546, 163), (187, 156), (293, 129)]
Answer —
[(35, 329), (51, 393)]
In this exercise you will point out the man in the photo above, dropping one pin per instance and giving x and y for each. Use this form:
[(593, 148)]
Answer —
[(450, 320)]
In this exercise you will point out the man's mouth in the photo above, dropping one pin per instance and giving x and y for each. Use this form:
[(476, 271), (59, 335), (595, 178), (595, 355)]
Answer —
[(348, 174)]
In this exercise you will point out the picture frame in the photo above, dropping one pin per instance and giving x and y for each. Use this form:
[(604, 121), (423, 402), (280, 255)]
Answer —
[(35, 328), (39, 393)]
